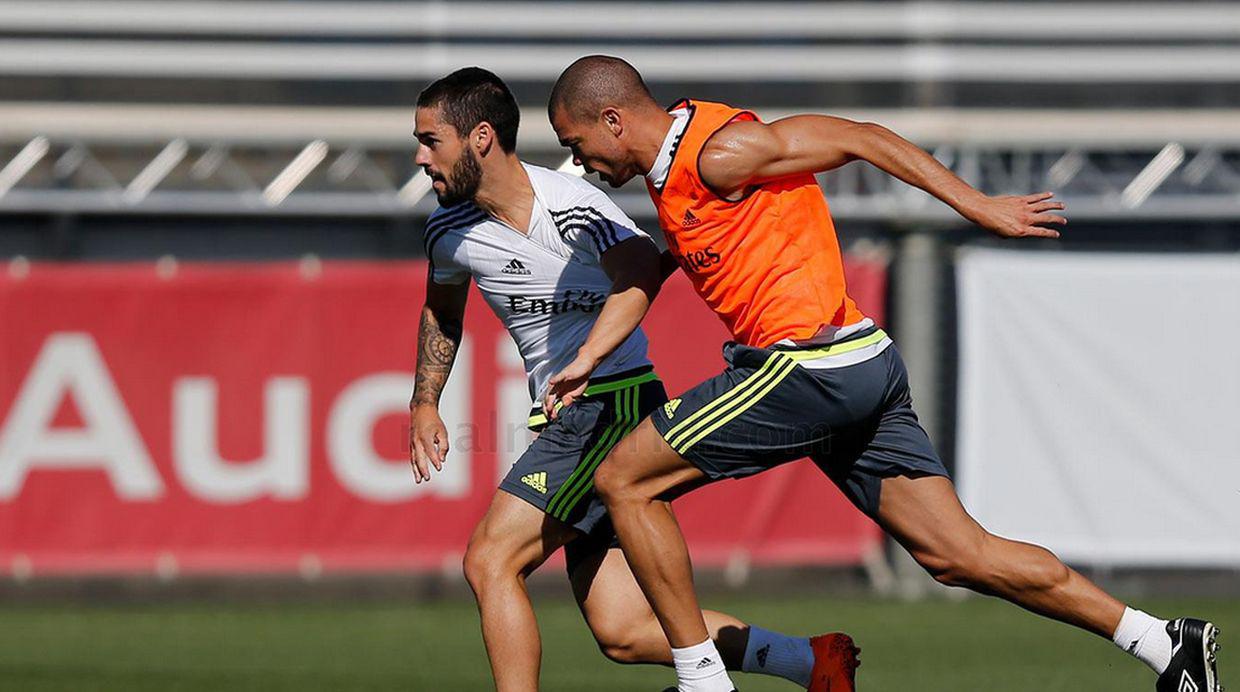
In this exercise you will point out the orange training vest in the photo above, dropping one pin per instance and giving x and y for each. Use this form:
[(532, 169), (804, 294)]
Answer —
[(769, 264)]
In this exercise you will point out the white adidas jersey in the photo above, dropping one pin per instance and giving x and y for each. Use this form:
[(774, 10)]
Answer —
[(549, 286)]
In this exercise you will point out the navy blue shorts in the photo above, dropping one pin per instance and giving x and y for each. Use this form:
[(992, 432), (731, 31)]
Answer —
[(856, 422), (556, 472)]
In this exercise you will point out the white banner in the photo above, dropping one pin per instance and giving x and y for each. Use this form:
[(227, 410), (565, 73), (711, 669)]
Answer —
[(1100, 403)]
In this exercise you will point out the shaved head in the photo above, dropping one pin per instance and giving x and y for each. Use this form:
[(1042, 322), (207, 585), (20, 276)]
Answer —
[(595, 82), (603, 113)]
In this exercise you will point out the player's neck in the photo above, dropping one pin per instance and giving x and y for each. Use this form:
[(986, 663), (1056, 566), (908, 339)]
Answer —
[(506, 193), (652, 130)]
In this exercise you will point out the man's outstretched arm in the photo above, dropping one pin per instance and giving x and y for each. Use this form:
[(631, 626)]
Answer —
[(636, 272), (748, 153), (439, 337)]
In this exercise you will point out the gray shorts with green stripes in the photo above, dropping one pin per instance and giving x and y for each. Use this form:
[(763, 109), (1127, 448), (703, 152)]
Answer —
[(855, 422), (556, 472)]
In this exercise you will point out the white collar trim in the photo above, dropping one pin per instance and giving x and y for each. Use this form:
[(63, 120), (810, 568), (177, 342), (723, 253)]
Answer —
[(663, 162)]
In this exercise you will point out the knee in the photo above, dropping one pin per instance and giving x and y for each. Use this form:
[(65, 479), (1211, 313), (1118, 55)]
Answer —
[(949, 570), (475, 566), (485, 562), (956, 564), (620, 649), (611, 483), (986, 567), (621, 641)]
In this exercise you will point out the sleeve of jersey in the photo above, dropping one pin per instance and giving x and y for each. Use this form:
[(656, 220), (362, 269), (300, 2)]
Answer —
[(445, 271), (440, 247), (595, 224)]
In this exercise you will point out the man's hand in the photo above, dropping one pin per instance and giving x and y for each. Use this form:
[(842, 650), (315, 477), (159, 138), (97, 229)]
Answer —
[(428, 441), (1017, 216), (567, 385)]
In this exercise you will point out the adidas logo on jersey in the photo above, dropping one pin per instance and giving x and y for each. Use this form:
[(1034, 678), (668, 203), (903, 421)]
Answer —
[(515, 267), (537, 481), (670, 408), (690, 220)]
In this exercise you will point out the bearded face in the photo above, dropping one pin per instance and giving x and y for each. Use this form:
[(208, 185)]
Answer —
[(446, 157), (462, 181)]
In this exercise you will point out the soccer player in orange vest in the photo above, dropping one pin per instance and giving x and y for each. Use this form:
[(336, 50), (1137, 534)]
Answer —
[(807, 373)]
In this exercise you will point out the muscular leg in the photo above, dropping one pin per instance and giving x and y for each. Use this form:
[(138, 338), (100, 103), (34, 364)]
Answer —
[(926, 517), (624, 625), (512, 540), (638, 472), (636, 482)]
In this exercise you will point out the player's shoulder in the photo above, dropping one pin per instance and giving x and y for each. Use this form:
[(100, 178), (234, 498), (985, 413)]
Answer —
[(561, 189), (452, 223), (461, 215), (736, 135)]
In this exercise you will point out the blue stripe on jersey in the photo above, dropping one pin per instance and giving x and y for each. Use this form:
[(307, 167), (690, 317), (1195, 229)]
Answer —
[(449, 213), (589, 228), (440, 230), (587, 222), (602, 229), (450, 216)]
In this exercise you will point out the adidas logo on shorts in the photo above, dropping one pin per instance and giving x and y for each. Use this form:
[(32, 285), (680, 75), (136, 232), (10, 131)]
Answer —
[(536, 480), (515, 266), (670, 408)]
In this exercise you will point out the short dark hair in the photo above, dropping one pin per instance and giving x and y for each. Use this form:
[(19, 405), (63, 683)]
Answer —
[(472, 95)]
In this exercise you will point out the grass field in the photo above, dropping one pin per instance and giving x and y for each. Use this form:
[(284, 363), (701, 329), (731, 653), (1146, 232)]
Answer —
[(979, 644)]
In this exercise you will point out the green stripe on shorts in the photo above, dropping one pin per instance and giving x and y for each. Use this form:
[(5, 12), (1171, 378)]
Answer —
[(737, 406), (731, 403), (582, 479)]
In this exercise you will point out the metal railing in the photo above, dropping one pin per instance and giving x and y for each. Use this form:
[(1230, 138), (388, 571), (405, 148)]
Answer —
[(1107, 165)]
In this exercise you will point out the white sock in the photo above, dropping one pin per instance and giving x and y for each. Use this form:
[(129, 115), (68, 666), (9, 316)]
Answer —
[(699, 668), (1145, 637), (772, 653)]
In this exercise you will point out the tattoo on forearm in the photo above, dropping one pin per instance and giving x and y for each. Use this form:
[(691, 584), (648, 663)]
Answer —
[(437, 344)]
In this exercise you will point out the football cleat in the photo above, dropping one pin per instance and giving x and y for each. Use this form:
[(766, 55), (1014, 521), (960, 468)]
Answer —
[(835, 663), (1194, 652)]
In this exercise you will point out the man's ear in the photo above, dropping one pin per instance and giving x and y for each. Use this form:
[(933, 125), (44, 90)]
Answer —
[(612, 121), (482, 138)]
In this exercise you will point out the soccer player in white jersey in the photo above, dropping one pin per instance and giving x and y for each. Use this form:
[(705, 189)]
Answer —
[(570, 276)]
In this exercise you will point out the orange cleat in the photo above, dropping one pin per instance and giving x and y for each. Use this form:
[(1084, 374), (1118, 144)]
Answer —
[(835, 663)]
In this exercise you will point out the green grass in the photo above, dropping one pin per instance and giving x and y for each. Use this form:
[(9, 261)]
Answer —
[(979, 644)]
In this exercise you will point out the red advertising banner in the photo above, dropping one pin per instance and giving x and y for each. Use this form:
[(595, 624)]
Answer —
[(252, 417)]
